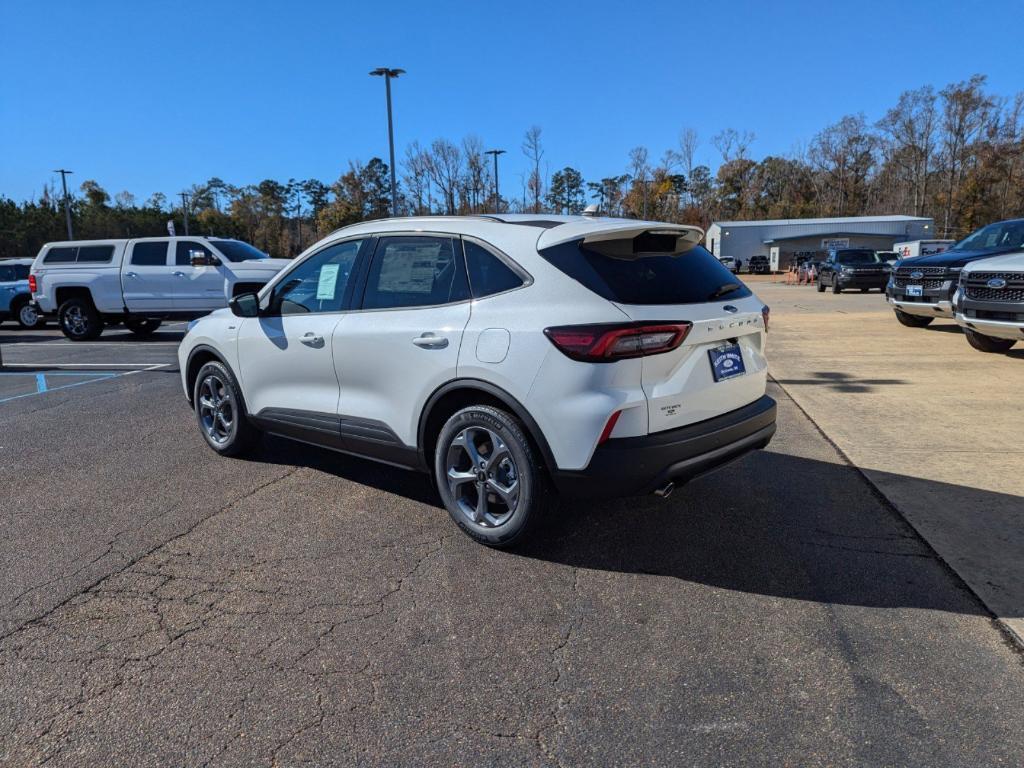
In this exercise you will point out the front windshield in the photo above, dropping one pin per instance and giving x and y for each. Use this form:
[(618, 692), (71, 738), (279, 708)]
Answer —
[(857, 257), (236, 250), (1003, 234)]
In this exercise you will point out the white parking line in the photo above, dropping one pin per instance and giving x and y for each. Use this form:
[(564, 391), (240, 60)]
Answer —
[(143, 366), (43, 387), (88, 344)]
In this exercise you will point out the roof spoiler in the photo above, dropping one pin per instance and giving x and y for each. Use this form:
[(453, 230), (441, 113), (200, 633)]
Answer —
[(626, 238)]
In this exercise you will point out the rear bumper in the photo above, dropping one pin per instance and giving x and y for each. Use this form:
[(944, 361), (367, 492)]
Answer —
[(632, 466)]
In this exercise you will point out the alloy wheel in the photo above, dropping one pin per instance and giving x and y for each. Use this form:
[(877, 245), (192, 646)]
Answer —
[(75, 321), (216, 409), (483, 477)]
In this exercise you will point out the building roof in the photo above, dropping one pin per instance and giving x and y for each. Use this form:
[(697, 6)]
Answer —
[(805, 222)]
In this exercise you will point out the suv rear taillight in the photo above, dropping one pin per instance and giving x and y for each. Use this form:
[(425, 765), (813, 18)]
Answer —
[(766, 313), (33, 286), (608, 343)]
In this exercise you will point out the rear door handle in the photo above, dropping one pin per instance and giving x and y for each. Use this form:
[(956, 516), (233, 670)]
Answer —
[(430, 341), (131, 274), (180, 274), (311, 339)]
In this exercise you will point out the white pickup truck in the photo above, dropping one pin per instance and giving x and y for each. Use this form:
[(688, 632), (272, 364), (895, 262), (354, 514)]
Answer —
[(90, 283)]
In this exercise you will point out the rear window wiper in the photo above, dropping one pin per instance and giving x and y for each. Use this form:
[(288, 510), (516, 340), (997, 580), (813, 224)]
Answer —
[(723, 289)]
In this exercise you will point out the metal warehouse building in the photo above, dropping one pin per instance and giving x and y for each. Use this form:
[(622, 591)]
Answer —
[(784, 240)]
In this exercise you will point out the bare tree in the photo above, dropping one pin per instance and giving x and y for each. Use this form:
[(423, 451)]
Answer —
[(966, 110), (639, 170), (534, 151), (732, 144), (909, 130), (416, 179), (477, 178), (445, 170)]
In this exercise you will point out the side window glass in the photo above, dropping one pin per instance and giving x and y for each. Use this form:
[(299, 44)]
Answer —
[(318, 284), (97, 254), (150, 254), (64, 255), (185, 248), (415, 271), (487, 273), (6, 274), (21, 271)]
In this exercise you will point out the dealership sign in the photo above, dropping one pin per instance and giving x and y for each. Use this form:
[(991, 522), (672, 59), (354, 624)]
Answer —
[(835, 244)]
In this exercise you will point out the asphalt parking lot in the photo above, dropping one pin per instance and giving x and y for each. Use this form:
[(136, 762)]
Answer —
[(161, 605)]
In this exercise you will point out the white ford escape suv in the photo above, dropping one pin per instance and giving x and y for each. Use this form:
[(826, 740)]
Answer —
[(504, 354)]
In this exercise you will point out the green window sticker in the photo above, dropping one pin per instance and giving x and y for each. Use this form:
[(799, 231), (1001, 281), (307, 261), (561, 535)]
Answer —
[(328, 281)]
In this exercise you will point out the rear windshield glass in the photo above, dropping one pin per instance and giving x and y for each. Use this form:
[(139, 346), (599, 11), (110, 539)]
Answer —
[(691, 277), (856, 257), (236, 250)]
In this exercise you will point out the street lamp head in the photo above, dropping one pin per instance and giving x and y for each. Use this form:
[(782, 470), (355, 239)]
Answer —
[(384, 71)]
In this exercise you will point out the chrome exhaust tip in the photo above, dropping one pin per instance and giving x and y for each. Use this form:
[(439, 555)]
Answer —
[(666, 490)]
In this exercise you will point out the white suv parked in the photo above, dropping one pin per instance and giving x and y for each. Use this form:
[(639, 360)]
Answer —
[(504, 354)]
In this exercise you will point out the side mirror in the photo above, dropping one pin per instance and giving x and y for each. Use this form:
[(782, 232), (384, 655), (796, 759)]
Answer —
[(245, 305), (202, 259)]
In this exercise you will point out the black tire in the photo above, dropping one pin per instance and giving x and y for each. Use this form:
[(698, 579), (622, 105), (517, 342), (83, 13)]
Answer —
[(821, 286), (501, 524), (233, 436), (913, 321), (835, 285), (143, 327), (27, 317), (984, 343), (79, 319)]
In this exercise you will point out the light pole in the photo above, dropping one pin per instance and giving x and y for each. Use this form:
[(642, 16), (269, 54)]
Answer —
[(67, 202), (184, 208), (497, 195), (387, 74)]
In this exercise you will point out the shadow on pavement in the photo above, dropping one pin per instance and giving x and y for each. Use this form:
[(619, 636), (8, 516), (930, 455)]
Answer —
[(771, 524), (838, 381)]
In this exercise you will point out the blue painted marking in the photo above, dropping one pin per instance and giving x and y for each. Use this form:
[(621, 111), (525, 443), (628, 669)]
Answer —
[(90, 377)]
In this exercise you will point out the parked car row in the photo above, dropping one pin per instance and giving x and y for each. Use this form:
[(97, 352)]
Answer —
[(979, 282), (141, 282)]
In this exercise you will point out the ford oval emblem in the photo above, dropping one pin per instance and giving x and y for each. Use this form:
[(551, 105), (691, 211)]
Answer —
[(996, 282), (916, 274), (730, 308)]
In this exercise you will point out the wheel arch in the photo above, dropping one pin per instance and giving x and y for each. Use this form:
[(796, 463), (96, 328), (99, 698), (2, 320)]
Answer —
[(200, 355), (460, 393), (66, 292)]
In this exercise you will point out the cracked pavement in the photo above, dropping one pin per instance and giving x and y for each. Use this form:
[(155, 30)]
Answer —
[(160, 605)]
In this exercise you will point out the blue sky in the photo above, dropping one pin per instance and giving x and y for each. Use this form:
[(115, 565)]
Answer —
[(152, 97)]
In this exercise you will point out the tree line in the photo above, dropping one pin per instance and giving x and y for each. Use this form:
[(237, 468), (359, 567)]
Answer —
[(954, 154)]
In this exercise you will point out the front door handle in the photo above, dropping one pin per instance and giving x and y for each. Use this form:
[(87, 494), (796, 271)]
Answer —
[(310, 339), (131, 274), (430, 341), (180, 274)]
